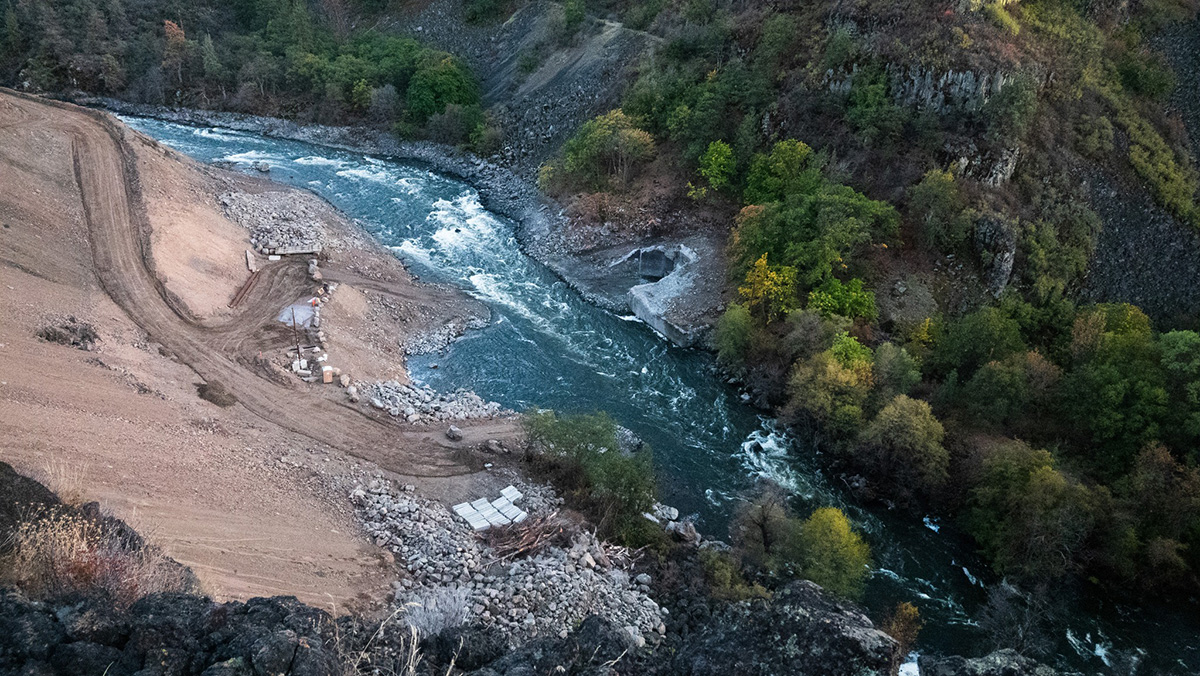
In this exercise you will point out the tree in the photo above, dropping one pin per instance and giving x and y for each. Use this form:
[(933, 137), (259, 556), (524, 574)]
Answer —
[(1013, 390), (895, 372), (1181, 361), (440, 80), (823, 548), (939, 207), (770, 289), (360, 96), (213, 70), (812, 232), (12, 31), (174, 50), (607, 146), (1031, 520), (1115, 399), (716, 168), (903, 445), (835, 557), (973, 340), (789, 169), (768, 537), (831, 391)]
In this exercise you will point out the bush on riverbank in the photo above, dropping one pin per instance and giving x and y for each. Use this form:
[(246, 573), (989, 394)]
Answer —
[(777, 545), (612, 486)]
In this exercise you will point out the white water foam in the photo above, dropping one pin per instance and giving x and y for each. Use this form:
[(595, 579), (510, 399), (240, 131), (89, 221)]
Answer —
[(364, 174), (251, 156), (318, 161), (764, 454)]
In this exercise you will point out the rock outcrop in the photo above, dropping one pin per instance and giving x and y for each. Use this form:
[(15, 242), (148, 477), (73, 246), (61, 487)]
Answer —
[(999, 663), (164, 634), (801, 631)]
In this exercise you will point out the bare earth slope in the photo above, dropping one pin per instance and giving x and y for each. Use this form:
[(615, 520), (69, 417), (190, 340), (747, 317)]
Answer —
[(252, 497)]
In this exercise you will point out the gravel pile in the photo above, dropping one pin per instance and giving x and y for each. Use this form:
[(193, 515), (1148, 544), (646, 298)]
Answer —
[(276, 220), (454, 576), (416, 404)]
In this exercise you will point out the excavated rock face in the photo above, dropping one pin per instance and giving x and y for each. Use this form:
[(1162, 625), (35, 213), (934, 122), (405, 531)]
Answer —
[(999, 663), (802, 631)]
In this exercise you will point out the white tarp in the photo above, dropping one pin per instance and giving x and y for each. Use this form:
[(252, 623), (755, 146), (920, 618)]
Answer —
[(304, 313)]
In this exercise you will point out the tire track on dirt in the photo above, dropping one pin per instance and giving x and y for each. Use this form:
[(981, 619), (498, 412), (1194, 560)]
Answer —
[(108, 184)]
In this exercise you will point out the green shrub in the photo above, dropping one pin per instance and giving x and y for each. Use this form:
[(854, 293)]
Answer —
[(1010, 111), (724, 577), (847, 300), (483, 11), (640, 15), (454, 125), (1094, 136), (573, 13), (1146, 74), (1000, 16), (732, 334), (716, 168), (872, 113)]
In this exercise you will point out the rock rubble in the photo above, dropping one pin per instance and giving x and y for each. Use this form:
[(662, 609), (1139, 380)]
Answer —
[(454, 572), (417, 404), (277, 220)]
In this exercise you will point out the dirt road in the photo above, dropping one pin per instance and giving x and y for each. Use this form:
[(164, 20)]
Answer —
[(117, 227)]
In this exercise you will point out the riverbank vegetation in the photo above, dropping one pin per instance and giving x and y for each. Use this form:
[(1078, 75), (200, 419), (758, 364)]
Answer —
[(267, 57), (907, 287), (608, 476)]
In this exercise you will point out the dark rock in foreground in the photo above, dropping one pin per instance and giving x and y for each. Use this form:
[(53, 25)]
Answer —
[(802, 631), (999, 663), (164, 634)]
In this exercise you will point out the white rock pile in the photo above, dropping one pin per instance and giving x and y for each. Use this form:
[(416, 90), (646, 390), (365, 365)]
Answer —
[(277, 220), (453, 574), (416, 404)]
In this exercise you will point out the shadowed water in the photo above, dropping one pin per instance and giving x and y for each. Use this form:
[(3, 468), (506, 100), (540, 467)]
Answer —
[(546, 347)]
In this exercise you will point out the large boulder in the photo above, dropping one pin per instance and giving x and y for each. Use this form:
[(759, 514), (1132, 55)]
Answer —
[(594, 649), (803, 630)]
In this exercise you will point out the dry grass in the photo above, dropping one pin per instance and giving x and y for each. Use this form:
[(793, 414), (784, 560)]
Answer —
[(55, 552), (66, 479)]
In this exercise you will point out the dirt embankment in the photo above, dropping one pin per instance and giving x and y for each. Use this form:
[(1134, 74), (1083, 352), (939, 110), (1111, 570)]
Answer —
[(104, 228)]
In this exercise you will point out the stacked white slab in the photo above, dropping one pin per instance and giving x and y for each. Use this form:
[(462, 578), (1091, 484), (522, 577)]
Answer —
[(482, 514)]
